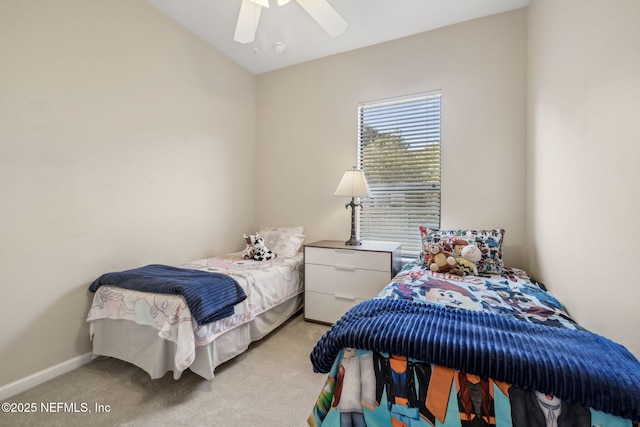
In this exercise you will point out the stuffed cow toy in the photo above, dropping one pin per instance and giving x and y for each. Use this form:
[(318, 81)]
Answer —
[(256, 249)]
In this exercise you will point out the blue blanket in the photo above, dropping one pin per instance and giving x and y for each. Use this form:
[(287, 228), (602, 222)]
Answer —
[(209, 296), (577, 366)]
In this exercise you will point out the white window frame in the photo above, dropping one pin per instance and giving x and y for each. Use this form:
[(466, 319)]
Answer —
[(405, 186)]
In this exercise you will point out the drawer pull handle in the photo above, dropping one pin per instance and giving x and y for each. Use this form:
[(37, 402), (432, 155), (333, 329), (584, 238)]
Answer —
[(349, 269), (349, 297), (345, 251)]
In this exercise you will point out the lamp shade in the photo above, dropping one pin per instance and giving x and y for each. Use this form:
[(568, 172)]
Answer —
[(353, 184)]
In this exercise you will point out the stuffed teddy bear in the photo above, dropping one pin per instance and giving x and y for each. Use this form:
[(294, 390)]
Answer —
[(466, 262), (440, 261), (256, 248)]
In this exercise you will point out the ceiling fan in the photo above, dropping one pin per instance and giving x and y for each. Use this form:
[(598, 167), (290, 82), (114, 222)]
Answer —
[(320, 10)]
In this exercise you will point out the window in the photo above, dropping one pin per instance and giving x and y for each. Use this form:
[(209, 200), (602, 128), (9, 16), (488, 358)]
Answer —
[(399, 152)]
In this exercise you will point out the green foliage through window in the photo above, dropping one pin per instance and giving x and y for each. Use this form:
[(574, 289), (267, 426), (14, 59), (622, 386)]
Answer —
[(399, 152)]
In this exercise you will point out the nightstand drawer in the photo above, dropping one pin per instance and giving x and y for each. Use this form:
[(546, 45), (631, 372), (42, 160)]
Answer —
[(346, 282), (380, 261), (326, 308), (338, 276)]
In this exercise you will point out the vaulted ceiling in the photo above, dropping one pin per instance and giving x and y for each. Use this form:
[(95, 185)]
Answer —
[(369, 22)]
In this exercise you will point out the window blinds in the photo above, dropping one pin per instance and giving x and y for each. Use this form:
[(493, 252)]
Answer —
[(399, 152)]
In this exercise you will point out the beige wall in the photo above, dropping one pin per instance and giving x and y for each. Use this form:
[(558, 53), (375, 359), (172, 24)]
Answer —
[(584, 160), (306, 129), (118, 147)]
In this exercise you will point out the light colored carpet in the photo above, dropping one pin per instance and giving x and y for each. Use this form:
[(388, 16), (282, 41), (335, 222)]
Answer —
[(271, 384)]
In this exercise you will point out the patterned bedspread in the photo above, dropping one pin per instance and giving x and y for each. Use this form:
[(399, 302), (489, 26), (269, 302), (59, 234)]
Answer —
[(512, 293), (210, 296), (266, 284), (425, 353)]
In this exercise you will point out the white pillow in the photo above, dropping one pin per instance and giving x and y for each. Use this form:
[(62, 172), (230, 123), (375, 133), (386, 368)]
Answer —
[(284, 241)]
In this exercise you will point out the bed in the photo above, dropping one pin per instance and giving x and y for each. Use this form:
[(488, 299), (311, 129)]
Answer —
[(488, 349), (161, 333)]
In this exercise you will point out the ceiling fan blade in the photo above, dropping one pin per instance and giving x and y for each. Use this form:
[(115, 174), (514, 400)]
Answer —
[(247, 21), (325, 15)]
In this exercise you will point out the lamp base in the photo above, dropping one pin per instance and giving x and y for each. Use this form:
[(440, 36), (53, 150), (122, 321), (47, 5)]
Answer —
[(353, 242)]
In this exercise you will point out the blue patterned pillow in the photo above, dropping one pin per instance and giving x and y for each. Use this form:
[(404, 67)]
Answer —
[(489, 242)]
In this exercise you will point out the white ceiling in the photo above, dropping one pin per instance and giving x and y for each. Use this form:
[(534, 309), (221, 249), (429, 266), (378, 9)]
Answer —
[(370, 22)]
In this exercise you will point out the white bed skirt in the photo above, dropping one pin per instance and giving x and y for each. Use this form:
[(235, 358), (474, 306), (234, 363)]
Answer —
[(141, 345)]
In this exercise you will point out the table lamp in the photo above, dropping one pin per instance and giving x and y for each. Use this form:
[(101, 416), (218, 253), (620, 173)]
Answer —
[(353, 184)]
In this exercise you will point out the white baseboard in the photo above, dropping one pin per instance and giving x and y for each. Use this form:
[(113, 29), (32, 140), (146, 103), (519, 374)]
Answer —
[(26, 383)]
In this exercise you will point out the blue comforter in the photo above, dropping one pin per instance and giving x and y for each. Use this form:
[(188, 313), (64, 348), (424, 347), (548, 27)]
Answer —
[(209, 296), (576, 365)]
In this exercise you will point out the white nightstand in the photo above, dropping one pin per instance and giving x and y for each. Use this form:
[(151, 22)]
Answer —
[(338, 276)]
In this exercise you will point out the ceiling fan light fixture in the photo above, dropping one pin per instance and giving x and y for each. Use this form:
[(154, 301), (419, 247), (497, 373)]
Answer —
[(320, 10)]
